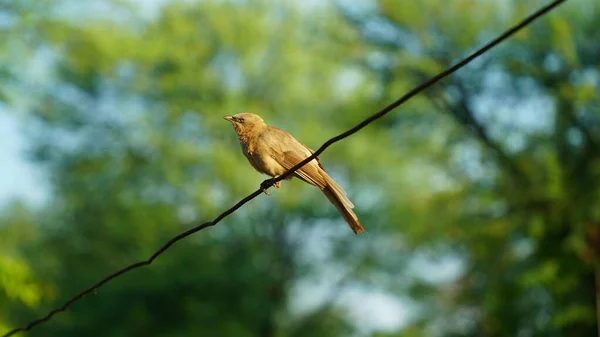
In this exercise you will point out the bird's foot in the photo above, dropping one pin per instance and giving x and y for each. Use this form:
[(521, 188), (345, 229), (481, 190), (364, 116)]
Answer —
[(268, 183), (277, 184)]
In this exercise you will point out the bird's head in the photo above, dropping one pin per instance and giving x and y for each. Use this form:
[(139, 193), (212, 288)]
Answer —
[(245, 121)]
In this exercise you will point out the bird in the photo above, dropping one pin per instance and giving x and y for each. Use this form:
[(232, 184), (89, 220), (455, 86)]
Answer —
[(273, 151)]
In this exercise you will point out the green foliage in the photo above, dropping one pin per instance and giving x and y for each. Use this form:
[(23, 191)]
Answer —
[(494, 170), (529, 241), (18, 284)]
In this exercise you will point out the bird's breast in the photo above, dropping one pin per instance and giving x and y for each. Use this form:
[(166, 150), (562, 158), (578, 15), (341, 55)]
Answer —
[(260, 157)]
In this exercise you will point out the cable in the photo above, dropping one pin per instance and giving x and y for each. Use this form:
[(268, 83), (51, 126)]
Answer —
[(269, 182)]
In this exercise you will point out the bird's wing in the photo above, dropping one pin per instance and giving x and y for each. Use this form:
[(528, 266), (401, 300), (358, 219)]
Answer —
[(289, 152), (310, 172)]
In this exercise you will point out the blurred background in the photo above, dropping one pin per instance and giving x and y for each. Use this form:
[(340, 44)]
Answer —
[(480, 197)]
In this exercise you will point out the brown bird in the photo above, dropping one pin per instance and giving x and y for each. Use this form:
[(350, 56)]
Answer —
[(273, 151)]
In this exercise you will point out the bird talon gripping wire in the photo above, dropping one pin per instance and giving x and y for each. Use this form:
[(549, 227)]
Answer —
[(268, 183)]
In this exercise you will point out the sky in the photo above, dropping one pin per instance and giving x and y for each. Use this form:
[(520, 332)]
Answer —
[(19, 179)]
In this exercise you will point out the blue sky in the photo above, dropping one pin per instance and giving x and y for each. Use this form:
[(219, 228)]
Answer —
[(18, 177)]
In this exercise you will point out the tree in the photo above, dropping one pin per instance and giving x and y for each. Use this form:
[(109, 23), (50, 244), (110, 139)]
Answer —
[(492, 173), (131, 132), (522, 210), (17, 282)]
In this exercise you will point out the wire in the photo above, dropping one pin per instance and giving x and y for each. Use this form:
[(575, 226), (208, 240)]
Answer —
[(269, 182)]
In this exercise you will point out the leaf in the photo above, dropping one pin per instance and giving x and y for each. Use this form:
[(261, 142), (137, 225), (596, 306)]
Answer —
[(562, 39)]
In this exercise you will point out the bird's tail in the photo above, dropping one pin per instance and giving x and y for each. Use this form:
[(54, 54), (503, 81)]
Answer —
[(338, 198)]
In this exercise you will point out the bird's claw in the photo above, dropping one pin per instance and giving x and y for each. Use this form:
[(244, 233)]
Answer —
[(268, 183), (277, 184)]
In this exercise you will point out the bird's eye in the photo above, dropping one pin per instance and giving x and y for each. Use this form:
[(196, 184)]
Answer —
[(240, 119)]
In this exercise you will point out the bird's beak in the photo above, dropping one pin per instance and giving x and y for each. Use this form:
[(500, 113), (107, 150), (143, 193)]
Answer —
[(228, 118)]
